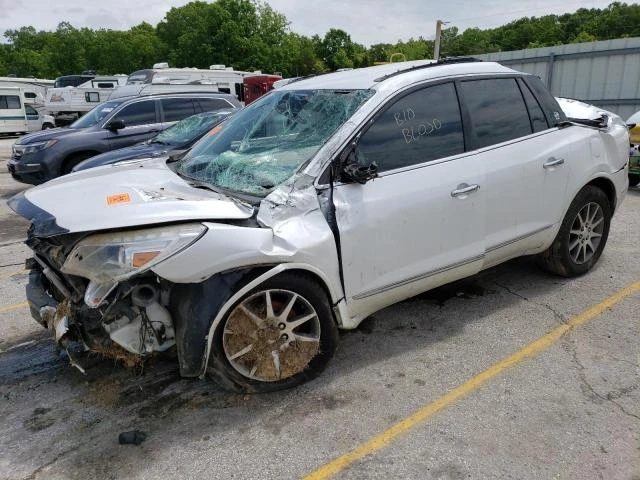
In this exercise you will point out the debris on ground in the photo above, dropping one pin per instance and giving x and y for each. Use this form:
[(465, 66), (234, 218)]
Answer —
[(133, 437)]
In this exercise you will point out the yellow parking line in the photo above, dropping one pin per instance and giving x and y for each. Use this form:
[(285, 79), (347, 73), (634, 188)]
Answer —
[(15, 306), (385, 438)]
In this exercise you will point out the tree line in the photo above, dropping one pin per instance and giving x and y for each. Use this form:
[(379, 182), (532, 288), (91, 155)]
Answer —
[(250, 35)]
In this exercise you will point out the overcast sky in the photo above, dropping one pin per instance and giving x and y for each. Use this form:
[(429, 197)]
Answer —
[(367, 21)]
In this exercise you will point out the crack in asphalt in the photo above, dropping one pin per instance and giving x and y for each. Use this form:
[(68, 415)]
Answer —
[(585, 382), (512, 292), (559, 317)]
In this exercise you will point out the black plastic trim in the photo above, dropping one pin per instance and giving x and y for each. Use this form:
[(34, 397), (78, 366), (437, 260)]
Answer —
[(43, 224)]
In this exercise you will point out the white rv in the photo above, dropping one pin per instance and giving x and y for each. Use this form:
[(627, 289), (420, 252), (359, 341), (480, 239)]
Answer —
[(161, 78), (35, 89), (73, 102), (13, 117)]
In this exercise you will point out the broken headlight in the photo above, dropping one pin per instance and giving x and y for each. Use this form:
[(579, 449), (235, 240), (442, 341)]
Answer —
[(108, 258)]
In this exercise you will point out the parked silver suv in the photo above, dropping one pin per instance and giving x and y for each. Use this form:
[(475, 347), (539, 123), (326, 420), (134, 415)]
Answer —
[(39, 157), (324, 201)]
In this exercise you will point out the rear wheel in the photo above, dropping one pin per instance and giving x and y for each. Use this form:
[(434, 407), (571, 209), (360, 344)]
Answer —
[(634, 179), (46, 126), (279, 335), (582, 235)]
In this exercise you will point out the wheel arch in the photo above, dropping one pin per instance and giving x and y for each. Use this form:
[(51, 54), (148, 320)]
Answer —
[(608, 188), (197, 304), (69, 159)]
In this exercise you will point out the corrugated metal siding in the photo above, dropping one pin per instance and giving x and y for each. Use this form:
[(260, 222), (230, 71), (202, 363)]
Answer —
[(605, 73)]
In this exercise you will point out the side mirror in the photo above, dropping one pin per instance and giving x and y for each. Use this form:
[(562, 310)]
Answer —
[(353, 172), (115, 125)]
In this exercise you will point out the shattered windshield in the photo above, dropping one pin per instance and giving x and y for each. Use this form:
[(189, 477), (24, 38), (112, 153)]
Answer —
[(190, 128), (266, 143), (96, 115)]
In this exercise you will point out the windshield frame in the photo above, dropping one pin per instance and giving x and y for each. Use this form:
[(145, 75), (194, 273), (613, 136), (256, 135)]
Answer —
[(246, 144)]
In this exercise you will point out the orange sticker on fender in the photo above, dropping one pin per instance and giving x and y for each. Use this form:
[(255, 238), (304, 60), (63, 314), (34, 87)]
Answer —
[(119, 198)]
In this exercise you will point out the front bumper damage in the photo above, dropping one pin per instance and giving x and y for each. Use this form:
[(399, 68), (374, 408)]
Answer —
[(132, 325)]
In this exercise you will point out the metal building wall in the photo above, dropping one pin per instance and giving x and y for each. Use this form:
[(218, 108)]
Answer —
[(604, 73)]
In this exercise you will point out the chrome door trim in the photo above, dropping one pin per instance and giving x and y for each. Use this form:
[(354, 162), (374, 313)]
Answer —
[(416, 278), (517, 239)]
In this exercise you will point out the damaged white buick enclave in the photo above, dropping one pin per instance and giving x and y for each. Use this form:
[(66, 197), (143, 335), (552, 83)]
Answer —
[(321, 203)]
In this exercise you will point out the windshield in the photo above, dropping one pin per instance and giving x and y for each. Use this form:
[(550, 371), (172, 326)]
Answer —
[(266, 143), (189, 129), (96, 115)]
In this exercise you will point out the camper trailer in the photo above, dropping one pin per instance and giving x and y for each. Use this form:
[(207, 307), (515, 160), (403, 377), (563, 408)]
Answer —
[(35, 89), (13, 117), (162, 79), (68, 103)]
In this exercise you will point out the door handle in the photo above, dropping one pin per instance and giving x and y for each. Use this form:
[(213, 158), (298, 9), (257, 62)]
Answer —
[(464, 188), (553, 162)]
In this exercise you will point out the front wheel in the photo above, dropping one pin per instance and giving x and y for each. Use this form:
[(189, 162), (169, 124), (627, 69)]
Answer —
[(582, 235), (279, 335)]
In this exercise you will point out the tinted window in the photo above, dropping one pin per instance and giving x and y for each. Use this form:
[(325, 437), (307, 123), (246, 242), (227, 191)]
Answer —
[(497, 110), (139, 113), (177, 108), (209, 104), (30, 110), (538, 120), (10, 101), (421, 126), (29, 95), (552, 110)]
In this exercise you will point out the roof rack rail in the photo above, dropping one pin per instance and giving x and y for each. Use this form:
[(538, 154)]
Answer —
[(442, 61)]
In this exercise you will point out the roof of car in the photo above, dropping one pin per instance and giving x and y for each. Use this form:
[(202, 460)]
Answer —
[(397, 73)]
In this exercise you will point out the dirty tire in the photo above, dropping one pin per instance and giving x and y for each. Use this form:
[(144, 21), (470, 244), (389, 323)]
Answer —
[(558, 259), (634, 179), (297, 361), (74, 160), (46, 126)]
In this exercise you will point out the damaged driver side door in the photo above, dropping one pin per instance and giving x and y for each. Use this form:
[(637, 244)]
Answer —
[(419, 223)]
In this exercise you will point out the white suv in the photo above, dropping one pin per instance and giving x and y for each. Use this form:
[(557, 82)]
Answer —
[(321, 203)]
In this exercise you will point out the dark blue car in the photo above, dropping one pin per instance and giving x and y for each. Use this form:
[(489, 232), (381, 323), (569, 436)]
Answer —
[(174, 141)]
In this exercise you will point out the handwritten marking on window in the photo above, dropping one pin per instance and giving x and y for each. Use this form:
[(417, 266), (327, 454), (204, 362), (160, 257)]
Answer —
[(404, 116), (412, 133)]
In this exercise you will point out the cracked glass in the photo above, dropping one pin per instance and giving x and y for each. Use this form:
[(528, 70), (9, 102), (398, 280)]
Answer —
[(266, 143)]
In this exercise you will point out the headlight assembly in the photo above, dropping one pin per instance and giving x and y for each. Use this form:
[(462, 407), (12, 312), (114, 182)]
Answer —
[(108, 258), (36, 147)]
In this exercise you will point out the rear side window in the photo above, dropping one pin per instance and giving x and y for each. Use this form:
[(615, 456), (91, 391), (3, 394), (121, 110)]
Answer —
[(139, 113), (177, 108), (497, 110), (210, 104), (10, 102), (421, 126), (538, 120)]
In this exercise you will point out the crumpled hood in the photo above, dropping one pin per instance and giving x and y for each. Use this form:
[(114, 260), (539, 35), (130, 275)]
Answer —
[(139, 194)]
